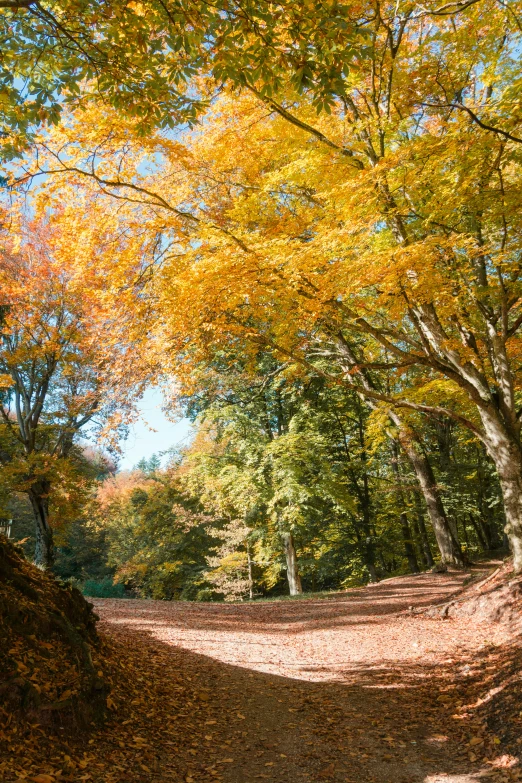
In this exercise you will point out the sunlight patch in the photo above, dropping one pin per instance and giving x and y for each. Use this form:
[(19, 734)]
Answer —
[(444, 777)]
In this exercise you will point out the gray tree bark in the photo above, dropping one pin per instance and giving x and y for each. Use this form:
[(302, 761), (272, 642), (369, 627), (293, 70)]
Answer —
[(507, 456), (449, 547), (292, 571)]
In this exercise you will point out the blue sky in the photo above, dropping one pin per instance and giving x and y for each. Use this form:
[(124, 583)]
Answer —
[(153, 432)]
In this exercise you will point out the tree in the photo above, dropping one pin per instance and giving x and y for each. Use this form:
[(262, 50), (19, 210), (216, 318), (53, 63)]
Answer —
[(384, 236), (150, 465), (59, 357), (142, 58), (162, 61), (289, 458), (181, 163), (186, 170), (157, 538)]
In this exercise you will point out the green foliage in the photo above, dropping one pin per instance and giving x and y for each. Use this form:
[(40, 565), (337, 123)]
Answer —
[(141, 57), (290, 457), (157, 539), (280, 452), (103, 588), (150, 465), (81, 552)]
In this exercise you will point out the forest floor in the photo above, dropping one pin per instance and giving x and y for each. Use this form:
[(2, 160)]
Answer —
[(355, 688)]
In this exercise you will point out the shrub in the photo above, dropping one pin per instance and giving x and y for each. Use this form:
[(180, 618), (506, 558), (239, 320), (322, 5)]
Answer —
[(103, 588)]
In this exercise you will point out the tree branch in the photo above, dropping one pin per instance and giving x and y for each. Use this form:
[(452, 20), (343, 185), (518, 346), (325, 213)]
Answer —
[(475, 119), (16, 4), (156, 199), (447, 10), (304, 126), (365, 390)]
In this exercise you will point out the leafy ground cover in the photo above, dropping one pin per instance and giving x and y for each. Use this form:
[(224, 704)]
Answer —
[(359, 687), (51, 660)]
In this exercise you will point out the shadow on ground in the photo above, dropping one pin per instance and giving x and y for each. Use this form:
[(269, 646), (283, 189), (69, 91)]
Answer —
[(372, 604), (387, 721)]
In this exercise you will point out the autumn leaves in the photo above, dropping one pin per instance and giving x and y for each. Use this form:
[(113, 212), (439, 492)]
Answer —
[(332, 210)]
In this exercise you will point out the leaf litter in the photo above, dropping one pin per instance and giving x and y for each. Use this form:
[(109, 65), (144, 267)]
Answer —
[(354, 688)]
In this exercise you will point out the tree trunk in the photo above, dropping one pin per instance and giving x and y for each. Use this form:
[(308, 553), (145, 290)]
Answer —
[(405, 525), (418, 537), (486, 522), (478, 528), (370, 562), (367, 549), (292, 572), (490, 532), (448, 545), (506, 454), (408, 544), (465, 534), (44, 547), (368, 544), (510, 475), (250, 574), (423, 533)]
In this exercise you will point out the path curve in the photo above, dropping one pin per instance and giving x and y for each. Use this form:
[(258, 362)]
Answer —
[(355, 688)]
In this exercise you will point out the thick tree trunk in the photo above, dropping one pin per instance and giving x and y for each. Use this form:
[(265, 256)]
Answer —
[(448, 545), (292, 572), (44, 547), (506, 454), (510, 475)]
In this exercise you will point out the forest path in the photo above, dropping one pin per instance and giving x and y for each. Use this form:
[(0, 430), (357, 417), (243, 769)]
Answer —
[(353, 688)]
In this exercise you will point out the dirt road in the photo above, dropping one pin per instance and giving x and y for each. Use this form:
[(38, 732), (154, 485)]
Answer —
[(355, 688)]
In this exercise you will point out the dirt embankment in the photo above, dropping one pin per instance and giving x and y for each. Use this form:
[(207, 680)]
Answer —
[(493, 595), (47, 642)]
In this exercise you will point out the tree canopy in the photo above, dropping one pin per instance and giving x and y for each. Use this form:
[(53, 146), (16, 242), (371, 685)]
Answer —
[(162, 62), (143, 58), (302, 222), (65, 367), (345, 212)]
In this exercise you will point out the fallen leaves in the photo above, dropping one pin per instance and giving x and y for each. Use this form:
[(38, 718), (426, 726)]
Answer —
[(206, 720)]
